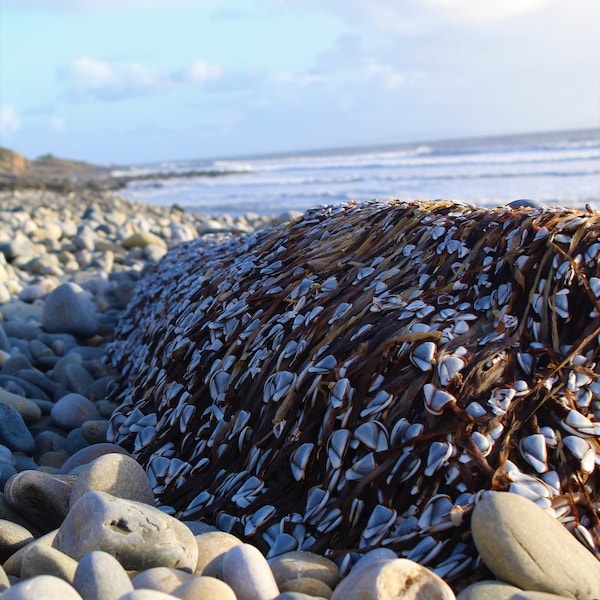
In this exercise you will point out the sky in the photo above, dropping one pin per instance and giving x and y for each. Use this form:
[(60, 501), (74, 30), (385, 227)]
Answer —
[(134, 81)]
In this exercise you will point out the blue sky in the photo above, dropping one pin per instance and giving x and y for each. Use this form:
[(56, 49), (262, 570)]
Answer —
[(126, 81)]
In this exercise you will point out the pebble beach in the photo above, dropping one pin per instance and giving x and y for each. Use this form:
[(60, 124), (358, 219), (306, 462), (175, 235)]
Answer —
[(77, 514)]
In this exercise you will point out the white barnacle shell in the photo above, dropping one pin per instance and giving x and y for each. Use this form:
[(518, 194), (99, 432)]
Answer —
[(337, 444), (582, 450), (379, 402), (436, 399), (439, 453), (534, 451), (448, 368), (299, 460), (423, 355), (373, 435)]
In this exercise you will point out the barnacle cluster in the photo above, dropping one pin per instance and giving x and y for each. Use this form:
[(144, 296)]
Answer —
[(357, 377)]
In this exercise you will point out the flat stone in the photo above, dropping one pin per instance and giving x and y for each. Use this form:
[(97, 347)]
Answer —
[(207, 588), (146, 595), (100, 576), (118, 475), (523, 545), (43, 497), (94, 430), (14, 433), (162, 579), (292, 565), (140, 535), (4, 580), (247, 571), (88, 454), (45, 560), (488, 590), (391, 579), (212, 547), (47, 587), (307, 585), (12, 566), (12, 537), (69, 309), (143, 239), (72, 410)]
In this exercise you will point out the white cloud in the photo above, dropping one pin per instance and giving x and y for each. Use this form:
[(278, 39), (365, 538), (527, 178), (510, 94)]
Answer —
[(80, 6), (9, 120), (199, 72), (117, 81), (485, 11)]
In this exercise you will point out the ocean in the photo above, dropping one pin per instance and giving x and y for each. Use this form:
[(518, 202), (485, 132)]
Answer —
[(561, 168)]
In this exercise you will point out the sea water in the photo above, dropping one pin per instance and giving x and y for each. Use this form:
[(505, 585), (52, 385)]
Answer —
[(552, 168)]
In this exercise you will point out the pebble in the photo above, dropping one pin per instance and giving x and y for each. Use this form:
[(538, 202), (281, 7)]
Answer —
[(162, 579), (523, 545), (140, 535), (14, 433), (100, 576), (73, 410), (300, 564), (207, 588), (390, 579), (45, 560), (45, 587), (43, 497), (12, 537), (118, 475), (248, 573), (68, 309), (212, 547)]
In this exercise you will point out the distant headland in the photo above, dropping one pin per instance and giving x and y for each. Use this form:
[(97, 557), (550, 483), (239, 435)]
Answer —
[(48, 172)]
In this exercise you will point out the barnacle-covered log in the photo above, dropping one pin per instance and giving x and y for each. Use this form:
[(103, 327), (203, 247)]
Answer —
[(357, 377)]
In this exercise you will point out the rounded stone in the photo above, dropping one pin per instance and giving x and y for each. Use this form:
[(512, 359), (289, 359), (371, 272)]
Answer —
[(12, 537), (207, 588), (375, 555), (100, 576), (45, 560), (146, 595), (307, 585), (88, 454), (43, 497), (293, 565), (94, 430), (523, 545), (69, 309), (162, 579), (212, 547), (4, 580), (47, 587), (73, 410), (26, 407), (14, 434), (248, 573), (140, 535), (143, 239), (488, 590), (12, 566), (118, 475), (390, 579)]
